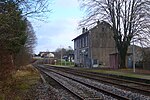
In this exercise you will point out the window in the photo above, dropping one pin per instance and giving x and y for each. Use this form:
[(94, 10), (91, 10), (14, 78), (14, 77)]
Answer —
[(86, 41), (78, 43), (75, 44), (82, 42)]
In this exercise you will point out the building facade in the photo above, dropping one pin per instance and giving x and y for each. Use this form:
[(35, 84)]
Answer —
[(81, 49), (93, 46)]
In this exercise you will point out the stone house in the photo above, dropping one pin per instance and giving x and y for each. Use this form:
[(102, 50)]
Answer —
[(93, 46)]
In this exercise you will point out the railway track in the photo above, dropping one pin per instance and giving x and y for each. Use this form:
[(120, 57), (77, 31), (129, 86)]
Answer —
[(83, 91), (133, 86), (124, 94), (69, 95)]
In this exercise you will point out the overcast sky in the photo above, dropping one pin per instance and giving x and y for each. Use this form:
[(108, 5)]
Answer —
[(61, 26)]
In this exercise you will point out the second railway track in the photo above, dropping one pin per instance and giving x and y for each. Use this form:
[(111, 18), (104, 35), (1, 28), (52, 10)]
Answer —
[(133, 86), (80, 91), (119, 96)]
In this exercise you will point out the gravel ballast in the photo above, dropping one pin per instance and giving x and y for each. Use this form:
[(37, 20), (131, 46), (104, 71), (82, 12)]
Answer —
[(128, 94), (80, 89)]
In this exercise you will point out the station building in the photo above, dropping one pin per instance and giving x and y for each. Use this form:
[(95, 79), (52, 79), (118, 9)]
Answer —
[(93, 46)]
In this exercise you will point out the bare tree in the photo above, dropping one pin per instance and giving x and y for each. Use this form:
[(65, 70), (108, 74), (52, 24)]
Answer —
[(12, 36), (33, 9), (24, 56), (130, 21), (60, 52), (64, 51), (10, 10), (16, 33), (36, 9), (31, 38)]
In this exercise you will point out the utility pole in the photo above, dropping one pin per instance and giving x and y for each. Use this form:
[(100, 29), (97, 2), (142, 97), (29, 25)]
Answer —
[(61, 54), (133, 51)]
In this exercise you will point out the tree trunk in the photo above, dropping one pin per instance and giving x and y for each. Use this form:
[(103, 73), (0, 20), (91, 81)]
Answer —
[(122, 60), (6, 65), (123, 55)]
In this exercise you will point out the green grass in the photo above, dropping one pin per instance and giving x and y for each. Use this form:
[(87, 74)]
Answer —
[(65, 63)]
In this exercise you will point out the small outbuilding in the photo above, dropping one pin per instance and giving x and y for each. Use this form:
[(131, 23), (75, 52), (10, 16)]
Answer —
[(115, 62)]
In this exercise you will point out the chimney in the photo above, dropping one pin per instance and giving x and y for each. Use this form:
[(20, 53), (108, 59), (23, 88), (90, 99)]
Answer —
[(98, 22), (86, 29), (83, 30)]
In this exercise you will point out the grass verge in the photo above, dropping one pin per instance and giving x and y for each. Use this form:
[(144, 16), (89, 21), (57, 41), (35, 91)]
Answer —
[(21, 82), (123, 72)]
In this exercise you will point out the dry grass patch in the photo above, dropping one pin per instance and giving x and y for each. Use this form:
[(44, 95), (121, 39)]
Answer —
[(16, 87)]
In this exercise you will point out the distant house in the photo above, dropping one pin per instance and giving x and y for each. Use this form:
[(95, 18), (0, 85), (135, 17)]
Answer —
[(69, 57), (93, 46), (46, 55)]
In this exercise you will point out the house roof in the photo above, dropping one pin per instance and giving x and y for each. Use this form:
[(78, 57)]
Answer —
[(87, 31), (80, 35)]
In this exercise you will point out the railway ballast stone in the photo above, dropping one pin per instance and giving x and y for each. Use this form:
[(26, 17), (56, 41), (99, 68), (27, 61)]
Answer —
[(42, 91)]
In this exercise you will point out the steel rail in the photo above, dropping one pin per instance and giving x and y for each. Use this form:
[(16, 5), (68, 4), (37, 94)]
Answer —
[(75, 94), (99, 74), (95, 88), (97, 78)]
